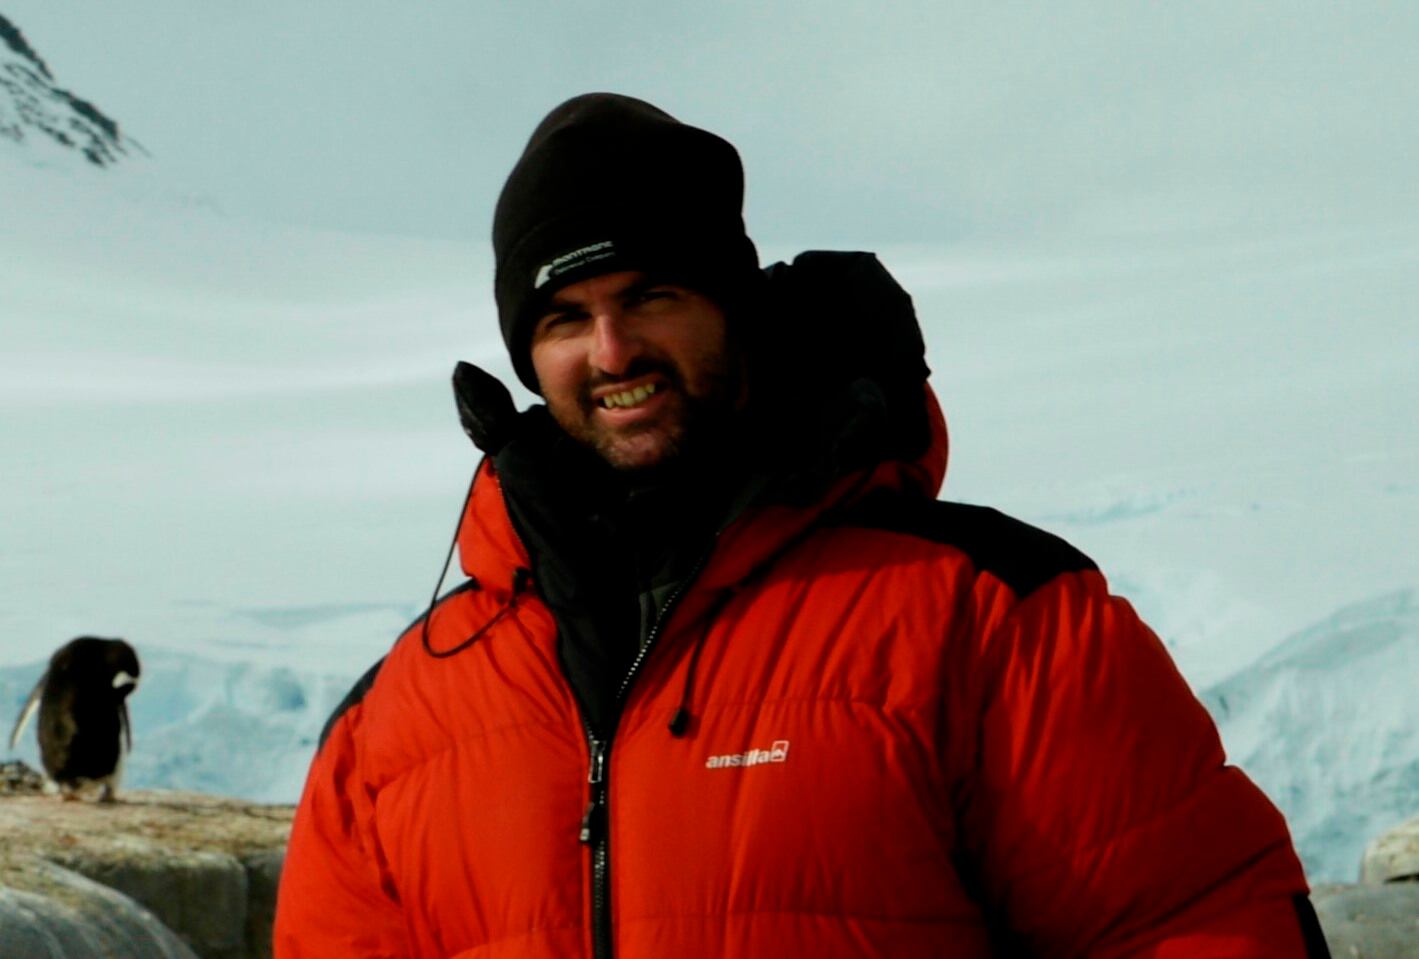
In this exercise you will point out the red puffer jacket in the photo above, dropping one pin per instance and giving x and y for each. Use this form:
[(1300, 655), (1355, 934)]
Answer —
[(914, 729)]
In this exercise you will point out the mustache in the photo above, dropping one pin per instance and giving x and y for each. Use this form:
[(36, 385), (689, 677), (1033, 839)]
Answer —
[(637, 369)]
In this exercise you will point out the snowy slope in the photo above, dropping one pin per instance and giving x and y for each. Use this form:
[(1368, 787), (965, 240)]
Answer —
[(228, 444), (1224, 422), (228, 437), (1327, 721)]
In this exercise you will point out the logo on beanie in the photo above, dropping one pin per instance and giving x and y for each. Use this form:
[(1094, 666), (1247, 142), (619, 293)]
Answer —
[(581, 256)]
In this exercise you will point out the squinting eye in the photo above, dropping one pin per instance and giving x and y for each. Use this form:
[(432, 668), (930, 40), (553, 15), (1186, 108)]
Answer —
[(555, 321)]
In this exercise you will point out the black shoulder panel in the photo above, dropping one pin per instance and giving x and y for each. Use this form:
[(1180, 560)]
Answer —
[(1020, 555), (1311, 933), (351, 700)]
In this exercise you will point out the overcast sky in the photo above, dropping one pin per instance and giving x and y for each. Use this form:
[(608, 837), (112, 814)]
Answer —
[(859, 123)]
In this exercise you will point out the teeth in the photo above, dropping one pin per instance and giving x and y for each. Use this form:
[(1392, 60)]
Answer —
[(628, 398)]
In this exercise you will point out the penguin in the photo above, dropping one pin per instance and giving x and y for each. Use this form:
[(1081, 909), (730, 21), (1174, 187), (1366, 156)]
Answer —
[(83, 725)]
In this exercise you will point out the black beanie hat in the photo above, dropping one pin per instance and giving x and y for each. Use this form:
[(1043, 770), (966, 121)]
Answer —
[(608, 183)]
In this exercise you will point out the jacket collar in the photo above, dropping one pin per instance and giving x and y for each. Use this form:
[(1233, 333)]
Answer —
[(491, 550)]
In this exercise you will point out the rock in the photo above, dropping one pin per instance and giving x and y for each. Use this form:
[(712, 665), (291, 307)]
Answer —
[(200, 893), (1369, 922), (18, 779), (263, 877), (80, 919), (202, 867), (1393, 856), (34, 107)]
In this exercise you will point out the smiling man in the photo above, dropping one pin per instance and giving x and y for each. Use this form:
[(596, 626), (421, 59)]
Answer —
[(636, 369), (725, 678)]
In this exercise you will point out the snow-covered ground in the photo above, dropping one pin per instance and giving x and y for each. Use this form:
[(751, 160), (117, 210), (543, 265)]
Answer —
[(233, 444)]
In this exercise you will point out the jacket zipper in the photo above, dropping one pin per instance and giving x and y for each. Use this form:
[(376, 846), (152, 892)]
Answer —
[(594, 834), (655, 629), (595, 822)]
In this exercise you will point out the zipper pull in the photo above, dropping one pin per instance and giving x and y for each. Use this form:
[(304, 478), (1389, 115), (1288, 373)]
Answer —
[(591, 824), (592, 819), (598, 763)]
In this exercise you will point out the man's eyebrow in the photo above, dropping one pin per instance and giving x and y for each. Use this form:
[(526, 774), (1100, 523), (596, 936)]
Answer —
[(559, 305), (643, 285), (635, 288)]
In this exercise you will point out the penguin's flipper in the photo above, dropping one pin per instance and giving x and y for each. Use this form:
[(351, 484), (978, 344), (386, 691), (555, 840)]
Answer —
[(28, 710), (126, 726)]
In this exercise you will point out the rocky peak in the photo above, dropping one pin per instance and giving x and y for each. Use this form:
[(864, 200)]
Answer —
[(15, 40), (34, 112)]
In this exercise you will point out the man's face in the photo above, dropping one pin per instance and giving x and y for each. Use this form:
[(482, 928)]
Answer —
[(634, 369)]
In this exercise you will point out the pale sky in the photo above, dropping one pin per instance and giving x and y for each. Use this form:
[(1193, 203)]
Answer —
[(859, 123)]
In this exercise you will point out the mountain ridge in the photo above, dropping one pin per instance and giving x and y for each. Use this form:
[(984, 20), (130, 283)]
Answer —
[(33, 107)]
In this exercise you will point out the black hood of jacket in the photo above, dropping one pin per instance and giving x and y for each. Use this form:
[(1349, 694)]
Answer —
[(837, 371)]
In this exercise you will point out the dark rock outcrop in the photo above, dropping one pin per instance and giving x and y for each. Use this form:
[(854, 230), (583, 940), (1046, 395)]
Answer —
[(33, 107), (18, 779), (74, 918), (156, 874)]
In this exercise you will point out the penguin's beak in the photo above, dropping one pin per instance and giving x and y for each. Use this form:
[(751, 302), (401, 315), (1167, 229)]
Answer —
[(125, 682)]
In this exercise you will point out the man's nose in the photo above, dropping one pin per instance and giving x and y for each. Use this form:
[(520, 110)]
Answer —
[(614, 344)]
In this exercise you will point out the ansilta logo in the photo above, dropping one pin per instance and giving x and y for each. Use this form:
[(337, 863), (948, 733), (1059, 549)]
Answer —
[(777, 753), (581, 256)]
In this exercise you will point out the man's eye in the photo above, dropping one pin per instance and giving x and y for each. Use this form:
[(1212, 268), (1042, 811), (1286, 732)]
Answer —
[(553, 321), (653, 294)]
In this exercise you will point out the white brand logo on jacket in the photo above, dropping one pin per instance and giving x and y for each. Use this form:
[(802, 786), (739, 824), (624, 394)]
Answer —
[(777, 753)]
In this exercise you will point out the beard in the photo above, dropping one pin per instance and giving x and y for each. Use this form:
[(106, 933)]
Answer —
[(695, 420)]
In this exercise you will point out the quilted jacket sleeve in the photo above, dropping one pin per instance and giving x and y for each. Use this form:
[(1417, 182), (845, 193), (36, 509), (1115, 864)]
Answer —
[(334, 898), (1104, 821)]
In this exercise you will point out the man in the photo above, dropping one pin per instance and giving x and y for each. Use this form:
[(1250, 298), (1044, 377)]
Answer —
[(725, 678)]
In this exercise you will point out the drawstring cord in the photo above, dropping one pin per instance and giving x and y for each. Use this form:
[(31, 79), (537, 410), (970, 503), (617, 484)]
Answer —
[(680, 722), (520, 580)]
